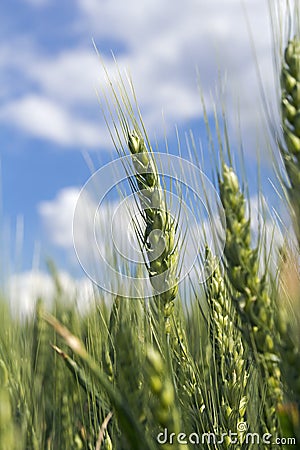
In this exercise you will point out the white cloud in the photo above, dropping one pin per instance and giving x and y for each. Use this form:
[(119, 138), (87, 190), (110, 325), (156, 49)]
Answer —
[(264, 218), (164, 45), (102, 245), (44, 118), (164, 38), (25, 288), (95, 227), (161, 44), (57, 216), (70, 75)]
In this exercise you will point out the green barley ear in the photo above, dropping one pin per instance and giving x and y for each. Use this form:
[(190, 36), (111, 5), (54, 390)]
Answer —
[(290, 106), (251, 297), (158, 239), (163, 404), (290, 86), (229, 354), (160, 228)]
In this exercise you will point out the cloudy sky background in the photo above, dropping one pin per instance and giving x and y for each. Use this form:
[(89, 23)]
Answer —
[(50, 115)]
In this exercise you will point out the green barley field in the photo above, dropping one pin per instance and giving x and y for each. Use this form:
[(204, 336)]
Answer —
[(209, 363)]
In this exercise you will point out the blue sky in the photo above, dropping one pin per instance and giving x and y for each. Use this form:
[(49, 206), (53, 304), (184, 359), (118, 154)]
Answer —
[(49, 111)]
